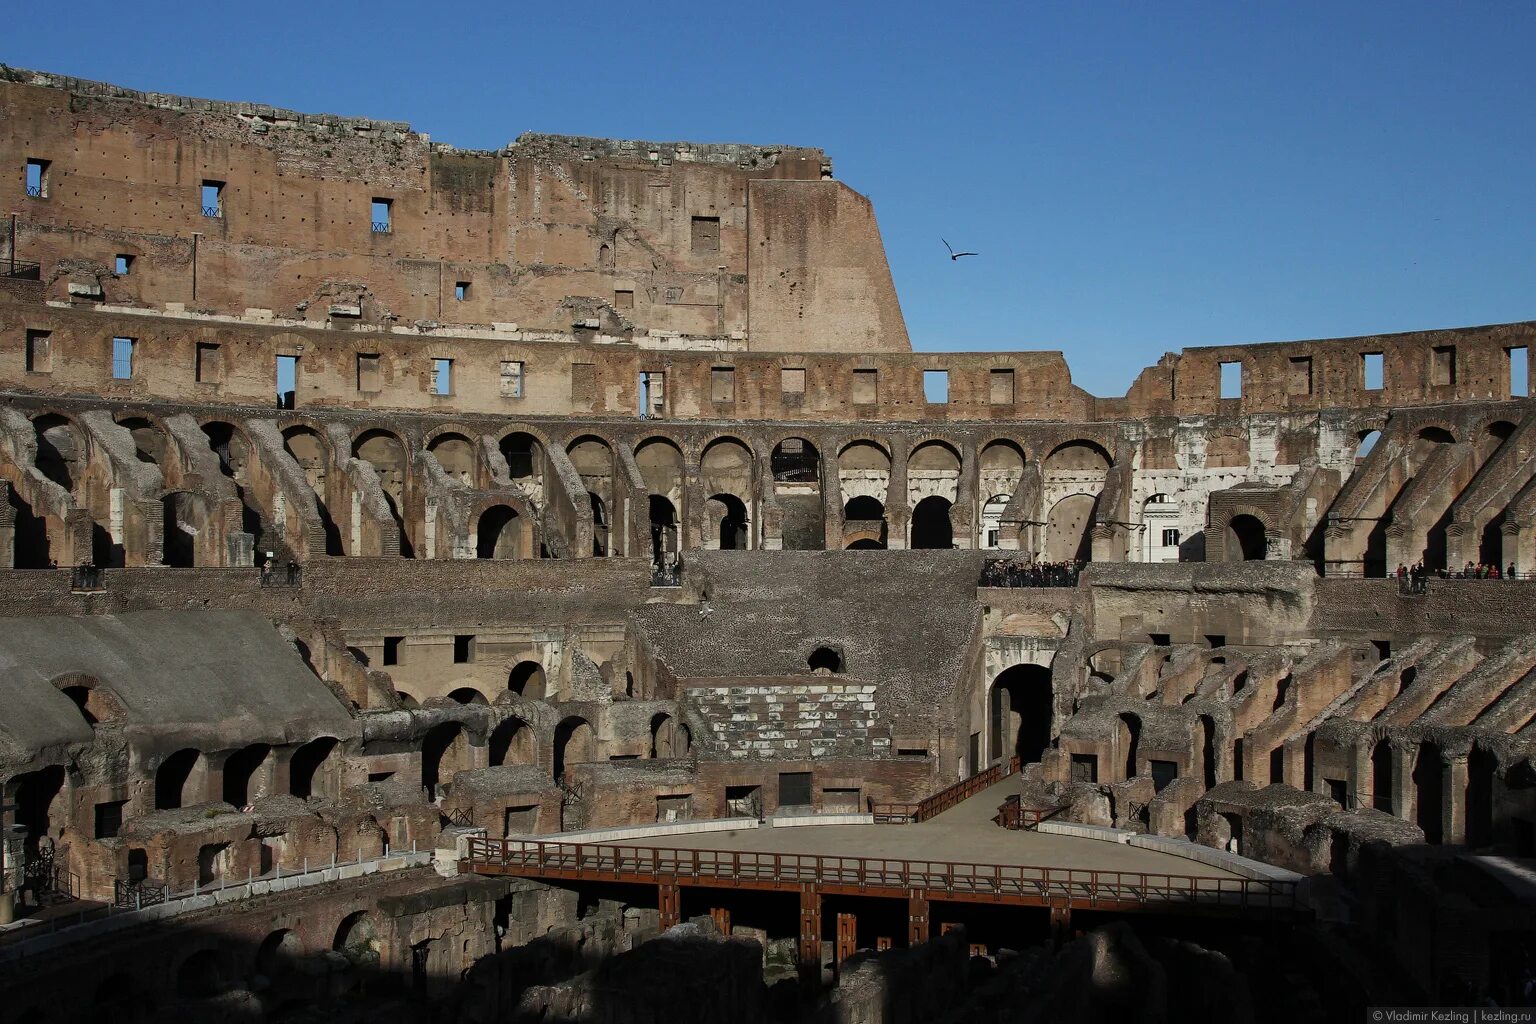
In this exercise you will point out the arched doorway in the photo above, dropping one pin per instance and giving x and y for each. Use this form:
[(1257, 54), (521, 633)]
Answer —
[(1428, 780), (527, 680), (731, 513), (931, 526), (310, 765), (513, 742), (1022, 706), (172, 779), (663, 527), (864, 526), (1247, 536), (499, 533), (669, 737), (240, 770), (575, 743), (444, 752), (178, 527)]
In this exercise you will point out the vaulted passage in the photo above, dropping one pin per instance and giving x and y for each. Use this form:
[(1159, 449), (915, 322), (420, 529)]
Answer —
[(1248, 537), (1022, 705), (931, 524)]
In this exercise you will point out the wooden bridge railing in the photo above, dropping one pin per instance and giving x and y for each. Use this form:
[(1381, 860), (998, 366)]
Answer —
[(880, 876), (944, 799)]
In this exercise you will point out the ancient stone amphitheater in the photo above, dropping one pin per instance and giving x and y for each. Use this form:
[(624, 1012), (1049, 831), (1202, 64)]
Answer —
[(372, 510)]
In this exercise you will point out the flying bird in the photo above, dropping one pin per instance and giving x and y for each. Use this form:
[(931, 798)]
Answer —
[(956, 255)]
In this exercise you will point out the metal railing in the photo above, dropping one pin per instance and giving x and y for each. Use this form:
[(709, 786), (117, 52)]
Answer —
[(138, 893), (35, 192), (381, 227), (460, 816), (944, 799), (880, 876), (291, 575), (212, 211), (87, 579), (1008, 573), (21, 270)]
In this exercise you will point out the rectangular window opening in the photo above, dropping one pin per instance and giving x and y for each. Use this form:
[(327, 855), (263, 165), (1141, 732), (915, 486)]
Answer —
[(39, 352), (706, 235), (122, 264), (109, 819), (653, 394), (866, 387), (461, 290), (287, 381), (792, 381), (1519, 371), (1163, 772), (722, 385), (37, 179), (392, 646), (1000, 387), (511, 378), (442, 376), (368, 376), (209, 366), (623, 298), (1372, 370), (213, 198), (936, 387), (1301, 376), (1442, 365), (1216, 640), (122, 358), (463, 649), (1085, 768), (1170, 538), (1232, 379), (380, 211), (1159, 639)]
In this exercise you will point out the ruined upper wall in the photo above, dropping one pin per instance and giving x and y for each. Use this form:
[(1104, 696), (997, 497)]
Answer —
[(549, 232)]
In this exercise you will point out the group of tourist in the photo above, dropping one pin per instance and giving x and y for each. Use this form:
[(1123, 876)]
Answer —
[(1009, 573), (667, 570), (1414, 578)]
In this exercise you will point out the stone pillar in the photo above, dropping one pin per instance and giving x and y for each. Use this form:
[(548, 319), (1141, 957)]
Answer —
[(898, 512), (1453, 800), (831, 503), (1403, 803), (965, 516)]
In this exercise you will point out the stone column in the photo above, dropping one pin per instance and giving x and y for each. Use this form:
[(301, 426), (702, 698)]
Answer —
[(1453, 800)]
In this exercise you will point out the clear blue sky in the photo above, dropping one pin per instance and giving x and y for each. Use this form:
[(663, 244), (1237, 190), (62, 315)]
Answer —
[(1137, 177)]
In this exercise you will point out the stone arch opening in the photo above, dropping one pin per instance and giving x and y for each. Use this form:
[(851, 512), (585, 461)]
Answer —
[(148, 442), (864, 525), (730, 514), (31, 545), (1129, 730), (1381, 776), (357, 939), (311, 768), (182, 518), (234, 452), (175, 778), (240, 770), (1069, 529), (1248, 537), (35, 795), (527, 680), (1022, 708), (1482, 767), (444, 752), (455, 454), (513, 742), (278, 954), (500, 534), (825, 660), (61, 451), (387, 455), (575, 743), (1365, 443), (97, 703), (1428, 780), (525, 459), (795, 460), (305, 447), (931, 526), (468, 695), (663, 527), (669, 738)]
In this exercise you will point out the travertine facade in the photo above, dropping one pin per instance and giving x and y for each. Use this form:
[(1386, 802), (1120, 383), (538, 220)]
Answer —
[(574, 493)]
